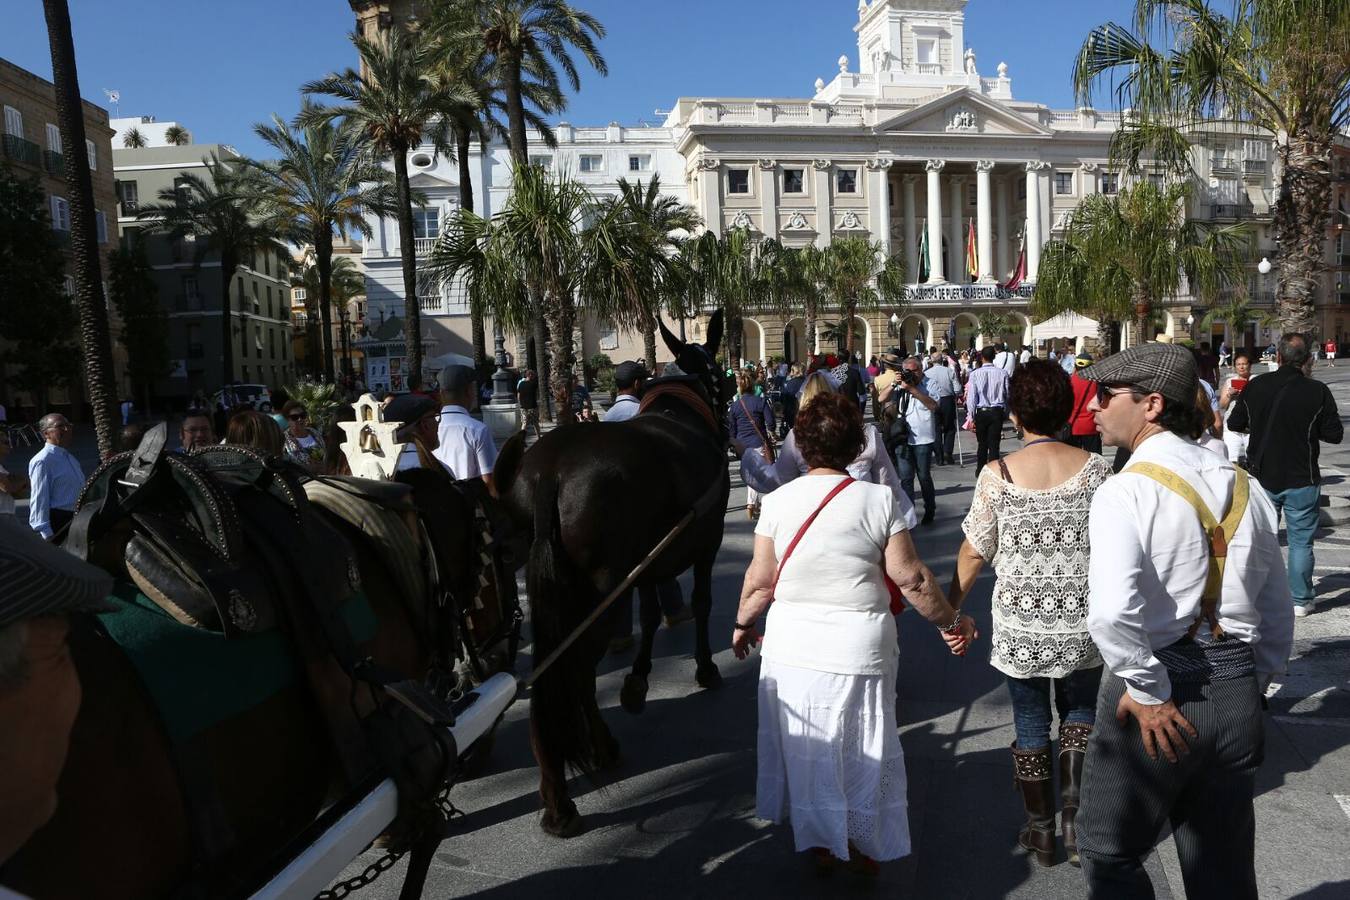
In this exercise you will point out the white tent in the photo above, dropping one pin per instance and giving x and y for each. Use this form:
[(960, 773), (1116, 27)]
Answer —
[(1064, 326)]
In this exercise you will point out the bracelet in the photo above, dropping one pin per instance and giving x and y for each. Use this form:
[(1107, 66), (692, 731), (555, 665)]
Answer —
[(956, 624), (740, 627)]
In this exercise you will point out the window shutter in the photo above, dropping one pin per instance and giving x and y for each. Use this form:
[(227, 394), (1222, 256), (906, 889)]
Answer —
[(53, 138), (93, 155)]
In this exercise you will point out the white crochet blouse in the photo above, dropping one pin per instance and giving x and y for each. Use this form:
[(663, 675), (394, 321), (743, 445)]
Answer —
[(1037, 541)]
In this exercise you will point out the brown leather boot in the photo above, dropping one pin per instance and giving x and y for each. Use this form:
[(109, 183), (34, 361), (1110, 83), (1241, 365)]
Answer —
[(1073, 744), (1034, 778)]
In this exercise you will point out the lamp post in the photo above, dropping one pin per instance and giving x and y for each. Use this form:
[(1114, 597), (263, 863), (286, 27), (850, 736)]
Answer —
[(1264, 268), (1190, 326), (502, 389)]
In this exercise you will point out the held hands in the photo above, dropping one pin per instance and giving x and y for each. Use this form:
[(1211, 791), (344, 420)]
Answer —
[(959, 639), (1160, 726), (743, 641)]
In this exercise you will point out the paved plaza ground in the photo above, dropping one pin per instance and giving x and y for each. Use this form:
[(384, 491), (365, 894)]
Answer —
[(677, 818)]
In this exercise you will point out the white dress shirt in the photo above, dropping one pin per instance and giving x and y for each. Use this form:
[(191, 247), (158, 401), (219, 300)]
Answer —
[(1150, 560), (625, 406), (1006, 360), (56, 479), (466, 447), (922, 420)]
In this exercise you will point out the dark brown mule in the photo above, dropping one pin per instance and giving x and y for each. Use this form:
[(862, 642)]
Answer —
[(121, 829), (598, 499)]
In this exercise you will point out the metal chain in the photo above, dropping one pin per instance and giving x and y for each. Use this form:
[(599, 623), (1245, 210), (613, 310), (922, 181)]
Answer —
[(367, 876)]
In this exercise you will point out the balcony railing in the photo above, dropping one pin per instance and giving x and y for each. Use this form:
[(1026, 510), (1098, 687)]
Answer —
[(190, 302), (53, 162), (20, 150), (1231, 210), (128, 208), (431, 303), (928, 68), (1223, 165), (1254, 167), (422, 245)]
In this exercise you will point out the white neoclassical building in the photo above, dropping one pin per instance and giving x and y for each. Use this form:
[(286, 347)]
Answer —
[(915, 141)]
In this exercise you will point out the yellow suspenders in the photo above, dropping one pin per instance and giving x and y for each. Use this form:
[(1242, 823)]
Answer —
[(1217, 533)]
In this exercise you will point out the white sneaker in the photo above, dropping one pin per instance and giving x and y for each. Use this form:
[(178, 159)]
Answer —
[(1303, 610)]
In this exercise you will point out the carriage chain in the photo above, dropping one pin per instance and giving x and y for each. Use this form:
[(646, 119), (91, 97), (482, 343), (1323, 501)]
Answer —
[(386, 862)]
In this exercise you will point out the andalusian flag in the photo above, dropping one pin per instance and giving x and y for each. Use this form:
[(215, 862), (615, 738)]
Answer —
[(972, 254), (924, 267)]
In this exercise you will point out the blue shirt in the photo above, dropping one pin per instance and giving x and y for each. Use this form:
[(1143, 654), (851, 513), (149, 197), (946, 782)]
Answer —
[(940, 382), (747, 429), (56, 479), (988, 387)]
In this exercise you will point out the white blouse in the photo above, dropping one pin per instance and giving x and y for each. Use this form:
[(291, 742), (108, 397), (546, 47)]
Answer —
[(1037, 541)]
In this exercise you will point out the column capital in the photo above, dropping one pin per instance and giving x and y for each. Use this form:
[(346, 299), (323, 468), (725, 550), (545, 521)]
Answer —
[(880, 165), (1088, 166), (935, 165), (707, 163), (1037, 165), (821, 165), (984, 165), (767, 164)]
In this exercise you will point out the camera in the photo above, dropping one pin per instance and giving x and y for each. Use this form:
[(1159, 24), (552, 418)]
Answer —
[(910, 377)]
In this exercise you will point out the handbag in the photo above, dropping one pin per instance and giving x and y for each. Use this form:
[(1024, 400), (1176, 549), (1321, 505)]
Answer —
[(765, 446), (897, 599)]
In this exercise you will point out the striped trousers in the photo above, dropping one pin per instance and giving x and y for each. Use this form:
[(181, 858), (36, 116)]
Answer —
[(1206, 795)]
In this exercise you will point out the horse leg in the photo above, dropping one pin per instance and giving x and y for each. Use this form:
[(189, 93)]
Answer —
[(633, 697), (705, 673), (560, 818)]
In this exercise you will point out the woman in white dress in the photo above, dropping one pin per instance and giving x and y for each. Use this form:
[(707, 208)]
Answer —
[(829, 750), (1029, 518)]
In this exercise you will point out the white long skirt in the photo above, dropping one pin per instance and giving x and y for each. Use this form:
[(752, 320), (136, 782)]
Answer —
[(830, 760)]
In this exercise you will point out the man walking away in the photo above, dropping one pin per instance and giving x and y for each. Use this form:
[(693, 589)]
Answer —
[(1190, 610), (987, 399), (1285, 415), (527, 395), (1082, 429), (1005, 359), (914, 456), (941, 383), (466, 446), (629, 377), (55, 476)]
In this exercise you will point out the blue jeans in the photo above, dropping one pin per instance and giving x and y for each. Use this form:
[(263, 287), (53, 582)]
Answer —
[(917, 459), (1075, 701), (1300, 506)]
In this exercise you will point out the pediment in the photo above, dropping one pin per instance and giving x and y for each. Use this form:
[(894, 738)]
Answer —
[(960, 112), (425, 181)]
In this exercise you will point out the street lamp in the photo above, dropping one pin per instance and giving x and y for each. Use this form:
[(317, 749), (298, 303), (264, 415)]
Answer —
[(894, 325), (1263, 266)]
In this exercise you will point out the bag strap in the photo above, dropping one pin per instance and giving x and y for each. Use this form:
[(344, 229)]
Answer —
[(1218, 534), (753, 424), (1003, 470), (848, 479)]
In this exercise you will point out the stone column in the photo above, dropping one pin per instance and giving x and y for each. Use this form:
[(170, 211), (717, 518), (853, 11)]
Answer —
[(824, 218), (911, 223), (983, 224), (934, 166), (768, 187), (710, 186), (956, 230), (878, 176), (1033, 233), (1001, 205)]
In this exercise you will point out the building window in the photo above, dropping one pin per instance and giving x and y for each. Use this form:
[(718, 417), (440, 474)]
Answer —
[(639, 163), (90, 149), (927, 51), (60, 214), (972, 195), (794, 181), (426, 222), (609, 336), (13, 122), (257, 340), (129, 194), (271, 311), (738, 181), (1021, 189), (1063, 183), (257, 303), (1156, 180), (53, 138), (299, 294), (101, 225), (1110, 183), (195, 350), (592, 162), (243, 374), (544, 162), (192, 295), (846, 181), (68, 285)]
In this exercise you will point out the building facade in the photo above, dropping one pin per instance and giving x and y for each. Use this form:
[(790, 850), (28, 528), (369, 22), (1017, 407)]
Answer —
[(33, 147), (190, 289), (913, 142)]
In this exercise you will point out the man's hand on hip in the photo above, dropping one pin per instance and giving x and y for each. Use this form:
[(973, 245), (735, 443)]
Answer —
[(1160, 726)]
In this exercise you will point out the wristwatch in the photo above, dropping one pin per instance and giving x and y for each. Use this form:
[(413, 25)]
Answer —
[(740, 627)]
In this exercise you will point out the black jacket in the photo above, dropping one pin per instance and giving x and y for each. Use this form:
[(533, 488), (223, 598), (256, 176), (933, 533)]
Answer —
[(1286, 413)]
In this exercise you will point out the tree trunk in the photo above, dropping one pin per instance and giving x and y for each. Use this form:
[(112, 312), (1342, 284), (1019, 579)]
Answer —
[(229, 262), (476, 326), (1107, 328), (561, 317), (810, 331), (649, 347), (1300, 218), (1143, 317), (515, 113), (850, 311), (95, 336), (412, 312), (323, 261), (344, 339)]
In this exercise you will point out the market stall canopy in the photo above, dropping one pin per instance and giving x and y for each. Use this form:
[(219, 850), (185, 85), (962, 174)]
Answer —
[(1065, 325)]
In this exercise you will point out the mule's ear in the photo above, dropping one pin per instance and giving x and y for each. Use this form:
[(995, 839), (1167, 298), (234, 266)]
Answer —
[(675, 345), (714, 332)]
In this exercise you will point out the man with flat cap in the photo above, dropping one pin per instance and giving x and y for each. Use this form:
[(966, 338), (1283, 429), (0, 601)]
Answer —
[(629, 377), (466, 445), (40, 584), (417, 431), (1190, 609)]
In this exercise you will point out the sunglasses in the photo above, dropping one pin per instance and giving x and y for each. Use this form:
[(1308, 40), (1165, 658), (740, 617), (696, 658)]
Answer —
[(1106, 392), (296, 417)]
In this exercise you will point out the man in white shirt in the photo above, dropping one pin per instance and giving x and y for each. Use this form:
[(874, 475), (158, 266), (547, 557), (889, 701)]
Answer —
[(466, 445), (629, 377), (1005, 359), (915, 456), (1190, 636), (1025, 357), (55, 477)]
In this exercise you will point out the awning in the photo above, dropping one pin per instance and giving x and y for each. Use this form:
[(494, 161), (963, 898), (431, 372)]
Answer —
[(1065, 325)]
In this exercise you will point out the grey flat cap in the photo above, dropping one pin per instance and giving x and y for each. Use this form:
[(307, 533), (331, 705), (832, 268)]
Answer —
[(457, 378), (41, 579), (1166, 368)]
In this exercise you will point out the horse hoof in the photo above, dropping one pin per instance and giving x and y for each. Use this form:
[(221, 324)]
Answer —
[(568, 824), (708, 677), (633, 697)]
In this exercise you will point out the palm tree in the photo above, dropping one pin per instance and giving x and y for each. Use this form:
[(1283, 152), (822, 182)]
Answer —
[(223, 214), (133, 139), (397, 104), (993, 325), (323, 181), (1121, 255), (634, 276), (859, 275), (346, 282), (95, 339), (1281, 65), (177, 136)]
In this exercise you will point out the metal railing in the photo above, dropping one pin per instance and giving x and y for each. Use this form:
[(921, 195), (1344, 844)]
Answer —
[(422, 245), (1231, 210), (129, 207), (53, 162), (1223, 164), (1254, 166), (20, 150)]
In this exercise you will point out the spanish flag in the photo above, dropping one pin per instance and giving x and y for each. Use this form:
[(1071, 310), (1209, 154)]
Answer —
[(972, 254)]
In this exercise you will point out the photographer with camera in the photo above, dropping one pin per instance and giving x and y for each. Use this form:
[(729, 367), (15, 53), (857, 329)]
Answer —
[(911, 431)]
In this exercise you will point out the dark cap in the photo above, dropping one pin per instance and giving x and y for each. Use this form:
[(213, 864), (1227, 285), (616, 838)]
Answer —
[(456, 378), (628, 373), (1168, 369), (41, 579), (409, 408), (1082, 360)]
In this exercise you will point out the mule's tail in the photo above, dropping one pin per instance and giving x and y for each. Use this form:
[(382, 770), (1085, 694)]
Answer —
[(561, 699)]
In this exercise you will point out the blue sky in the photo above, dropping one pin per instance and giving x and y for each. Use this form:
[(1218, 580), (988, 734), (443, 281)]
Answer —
[(219, 68)]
